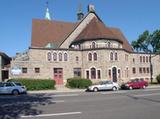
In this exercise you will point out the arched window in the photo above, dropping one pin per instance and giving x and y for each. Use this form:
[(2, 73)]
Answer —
[(93, 73), (95, 56), (89, 57), (60, 56), (109, 73), (119, 73), (109, 44), (54, 56), (65, 57), (116, 56), (143, 59), (111, 56), (93, 45), (49, 56), (146, 58), (140, 58)]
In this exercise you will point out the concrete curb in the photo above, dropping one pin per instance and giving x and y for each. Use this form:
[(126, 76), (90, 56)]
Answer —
[(73, 90)]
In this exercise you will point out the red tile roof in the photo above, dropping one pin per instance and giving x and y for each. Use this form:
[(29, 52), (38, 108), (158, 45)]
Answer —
[(96, 29), (121, 37), (55, 32), (45, 31)]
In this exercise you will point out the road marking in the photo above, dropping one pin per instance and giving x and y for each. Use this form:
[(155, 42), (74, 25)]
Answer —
[(64, 95), (147, 95), (49, 115)]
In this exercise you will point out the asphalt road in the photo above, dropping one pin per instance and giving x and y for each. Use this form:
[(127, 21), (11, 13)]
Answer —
[(135, 104)]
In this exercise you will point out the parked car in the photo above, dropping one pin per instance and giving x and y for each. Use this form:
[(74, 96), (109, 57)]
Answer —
[(135, 84), (104, 85), (14, 88)]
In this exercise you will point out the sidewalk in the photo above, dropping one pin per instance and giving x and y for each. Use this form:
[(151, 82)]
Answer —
[(67, 90), (61, 89)]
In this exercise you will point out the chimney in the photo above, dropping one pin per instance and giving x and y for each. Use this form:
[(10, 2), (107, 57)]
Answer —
[(91, 8)]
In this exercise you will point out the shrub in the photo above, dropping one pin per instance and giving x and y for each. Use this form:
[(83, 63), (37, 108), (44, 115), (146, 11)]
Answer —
[(158, 78), (36, 84), (78, 83)]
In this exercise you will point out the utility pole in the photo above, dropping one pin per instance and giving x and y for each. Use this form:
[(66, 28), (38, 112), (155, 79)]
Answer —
[(151, 68)]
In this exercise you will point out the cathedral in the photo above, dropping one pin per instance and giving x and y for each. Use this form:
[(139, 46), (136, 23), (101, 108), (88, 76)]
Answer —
[(86, 48)]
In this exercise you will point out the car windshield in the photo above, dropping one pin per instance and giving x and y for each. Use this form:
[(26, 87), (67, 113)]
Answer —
[(1, 84), (18, 84)]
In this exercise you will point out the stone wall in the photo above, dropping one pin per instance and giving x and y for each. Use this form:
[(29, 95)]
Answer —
[(38, 58)]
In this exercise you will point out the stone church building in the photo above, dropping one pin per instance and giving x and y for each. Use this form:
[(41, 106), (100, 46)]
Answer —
[(87, 48)]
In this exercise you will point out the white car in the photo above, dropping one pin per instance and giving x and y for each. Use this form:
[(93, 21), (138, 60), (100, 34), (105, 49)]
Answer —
[(14, 88), (104, 85)]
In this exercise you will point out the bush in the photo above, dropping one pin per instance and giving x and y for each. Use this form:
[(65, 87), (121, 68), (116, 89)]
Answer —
[(78, 83), (158, 78), (36, 84)]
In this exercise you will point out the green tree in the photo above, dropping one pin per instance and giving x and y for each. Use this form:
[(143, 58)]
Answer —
[(149, 43)]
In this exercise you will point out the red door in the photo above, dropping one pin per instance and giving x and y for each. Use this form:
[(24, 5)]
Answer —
[(58, 75)]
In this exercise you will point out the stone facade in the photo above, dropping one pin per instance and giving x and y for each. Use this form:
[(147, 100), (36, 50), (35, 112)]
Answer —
[(99, 54)]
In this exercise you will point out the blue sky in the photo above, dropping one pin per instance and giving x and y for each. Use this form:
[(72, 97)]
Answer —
[(133, 17)]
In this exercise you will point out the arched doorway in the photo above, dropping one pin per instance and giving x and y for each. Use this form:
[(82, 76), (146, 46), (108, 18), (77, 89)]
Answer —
[(114, 74)]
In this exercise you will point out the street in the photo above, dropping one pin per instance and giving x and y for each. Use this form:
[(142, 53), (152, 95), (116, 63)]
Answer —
[(124, 104)]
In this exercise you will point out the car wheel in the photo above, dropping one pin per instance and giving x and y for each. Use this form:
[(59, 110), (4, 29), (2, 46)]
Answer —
[(95, 89), (130, 87), (114, 88), (144, 87), (15, 92)]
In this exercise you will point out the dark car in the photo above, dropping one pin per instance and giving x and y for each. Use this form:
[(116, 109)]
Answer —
[(135, 84), (14, 88)]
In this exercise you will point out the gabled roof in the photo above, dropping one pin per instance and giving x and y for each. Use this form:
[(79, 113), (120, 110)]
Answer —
[(46, 31)]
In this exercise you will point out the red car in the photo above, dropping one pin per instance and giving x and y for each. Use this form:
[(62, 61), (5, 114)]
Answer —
[(135, 84)]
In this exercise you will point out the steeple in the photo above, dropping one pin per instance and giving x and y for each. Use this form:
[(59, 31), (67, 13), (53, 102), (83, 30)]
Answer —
[(47, 14), (80, 14)]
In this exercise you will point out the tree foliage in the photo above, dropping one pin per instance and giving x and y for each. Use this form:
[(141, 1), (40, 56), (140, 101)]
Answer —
[(147, 42)]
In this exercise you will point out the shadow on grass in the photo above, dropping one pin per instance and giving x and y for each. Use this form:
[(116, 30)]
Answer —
[(12, 107)]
